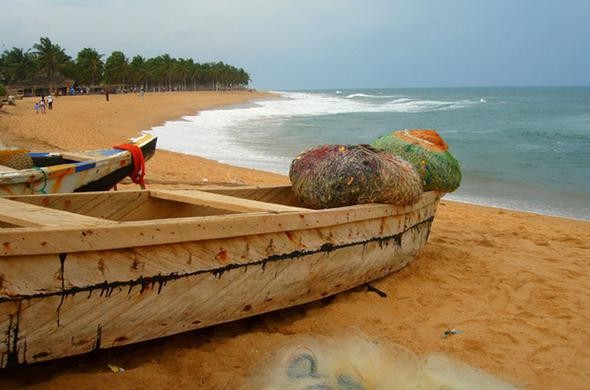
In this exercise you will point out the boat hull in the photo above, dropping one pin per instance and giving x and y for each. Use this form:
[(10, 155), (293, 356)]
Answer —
[(85, 301), (101, 170)]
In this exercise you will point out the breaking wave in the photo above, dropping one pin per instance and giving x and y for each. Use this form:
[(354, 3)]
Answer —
[(364, 95), (240, 128)]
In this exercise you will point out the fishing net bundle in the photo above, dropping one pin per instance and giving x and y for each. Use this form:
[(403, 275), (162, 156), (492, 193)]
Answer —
[(353, 361), (16, 158), (343, 175), (428, 153)]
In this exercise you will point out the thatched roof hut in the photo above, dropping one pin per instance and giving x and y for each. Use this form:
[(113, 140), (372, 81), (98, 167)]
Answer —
[(42, 86)]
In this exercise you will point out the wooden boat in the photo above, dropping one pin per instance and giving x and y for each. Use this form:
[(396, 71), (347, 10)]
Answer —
[(96, 170), (87, 271)]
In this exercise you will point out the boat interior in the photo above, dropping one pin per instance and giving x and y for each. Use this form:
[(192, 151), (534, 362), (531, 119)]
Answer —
[(41, 160), (91, 208)]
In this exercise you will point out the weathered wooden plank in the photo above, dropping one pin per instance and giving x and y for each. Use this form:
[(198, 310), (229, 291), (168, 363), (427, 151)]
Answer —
[(275, 194), (23, 214), (78, 156), (95, 267), (221, 201), (4, 168), (108, 205)]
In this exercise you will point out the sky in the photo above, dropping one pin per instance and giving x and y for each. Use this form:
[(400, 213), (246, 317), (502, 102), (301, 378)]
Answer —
[(329, 44)]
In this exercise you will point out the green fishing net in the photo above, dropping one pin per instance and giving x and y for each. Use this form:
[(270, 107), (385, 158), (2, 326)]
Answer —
[(428, 153)]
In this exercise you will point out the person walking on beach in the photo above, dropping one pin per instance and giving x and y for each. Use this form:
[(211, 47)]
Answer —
[(50, 102), (42, 105), (36, 107), (106, 93)]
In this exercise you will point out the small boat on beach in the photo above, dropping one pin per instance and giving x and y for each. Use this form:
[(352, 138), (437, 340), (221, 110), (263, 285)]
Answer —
[(95, 170), (88, 271)]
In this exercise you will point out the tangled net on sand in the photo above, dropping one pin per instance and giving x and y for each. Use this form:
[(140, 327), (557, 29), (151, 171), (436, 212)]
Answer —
[(344, 175), (16, 158), (428, 153), (354, 362)]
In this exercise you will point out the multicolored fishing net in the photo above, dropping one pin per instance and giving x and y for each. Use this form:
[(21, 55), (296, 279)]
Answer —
[(342, 175), (428, 153)]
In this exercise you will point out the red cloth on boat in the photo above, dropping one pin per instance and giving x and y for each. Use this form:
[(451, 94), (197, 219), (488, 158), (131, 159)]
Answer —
[(138, 172)]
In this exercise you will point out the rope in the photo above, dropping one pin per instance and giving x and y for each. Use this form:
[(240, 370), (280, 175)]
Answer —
[(42, 190), (138, 172)]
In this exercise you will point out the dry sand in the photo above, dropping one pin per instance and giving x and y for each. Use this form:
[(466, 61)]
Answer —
[(516, 284), (90, 122)]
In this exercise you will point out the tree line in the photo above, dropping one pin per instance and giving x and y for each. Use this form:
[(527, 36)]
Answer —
[(46, 64)]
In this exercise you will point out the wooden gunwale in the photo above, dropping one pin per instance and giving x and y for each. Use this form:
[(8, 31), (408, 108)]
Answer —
[(69, 239)]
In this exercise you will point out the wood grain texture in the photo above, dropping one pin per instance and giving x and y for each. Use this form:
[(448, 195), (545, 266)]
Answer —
[(20, 214), (56, 304), (220, 201)]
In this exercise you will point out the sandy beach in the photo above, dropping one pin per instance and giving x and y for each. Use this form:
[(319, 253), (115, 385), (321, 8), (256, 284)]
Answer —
[(515, 284)]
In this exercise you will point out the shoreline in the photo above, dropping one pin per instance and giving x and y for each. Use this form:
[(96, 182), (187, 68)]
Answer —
[(89, 122), (515, 283), (233, 174), (533, 213), (248, 146)]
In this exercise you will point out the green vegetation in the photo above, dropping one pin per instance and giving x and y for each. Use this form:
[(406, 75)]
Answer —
[(2, 90), (47, 65)]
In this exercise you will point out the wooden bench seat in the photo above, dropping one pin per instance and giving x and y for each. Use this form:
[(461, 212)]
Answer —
[(219, 201), (25, 214)]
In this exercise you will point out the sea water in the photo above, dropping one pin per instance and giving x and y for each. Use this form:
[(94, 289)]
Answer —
[(519, 148)]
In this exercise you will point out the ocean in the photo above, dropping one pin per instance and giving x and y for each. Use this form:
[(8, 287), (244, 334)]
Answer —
[(519, 148)]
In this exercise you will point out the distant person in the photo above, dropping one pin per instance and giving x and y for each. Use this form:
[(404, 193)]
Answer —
[(42, 105), (50, 102), (36, 107), (106, 94)]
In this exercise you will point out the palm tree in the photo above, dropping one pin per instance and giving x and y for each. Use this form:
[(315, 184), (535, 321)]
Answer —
[(196, 75), (154, 66), (139, 71), (215, 74), (48, 63), (116, 68), (51, 58), (167, 65), (89, 66), (17, 65), (243, 77), (184, 70)]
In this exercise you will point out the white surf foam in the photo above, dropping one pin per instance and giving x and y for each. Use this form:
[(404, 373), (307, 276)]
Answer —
[(364, 95), (239, 135)]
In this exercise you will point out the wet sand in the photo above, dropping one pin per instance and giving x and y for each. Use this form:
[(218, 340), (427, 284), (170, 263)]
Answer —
[(516, 284)]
